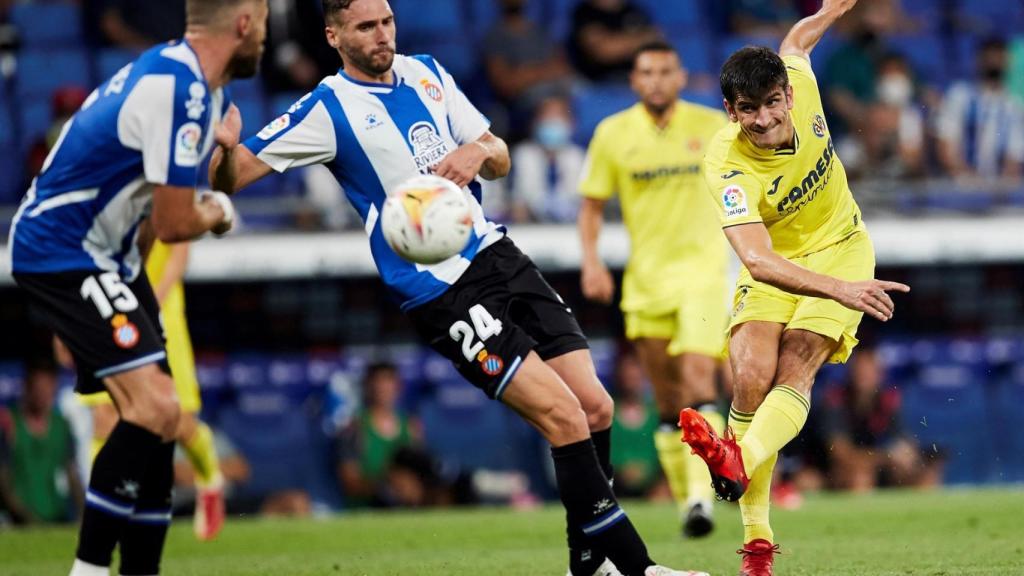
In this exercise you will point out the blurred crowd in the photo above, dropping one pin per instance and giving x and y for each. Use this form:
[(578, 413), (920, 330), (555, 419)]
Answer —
[(378, 455), (918, 91)]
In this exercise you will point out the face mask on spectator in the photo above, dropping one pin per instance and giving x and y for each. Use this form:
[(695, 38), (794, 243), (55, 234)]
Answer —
[(553, 133), (994, 73), (895, 90)]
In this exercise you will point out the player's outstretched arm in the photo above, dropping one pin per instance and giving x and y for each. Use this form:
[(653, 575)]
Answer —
[(487, 156), (753, 245), (805, 34), (233, 167), (595, 279)]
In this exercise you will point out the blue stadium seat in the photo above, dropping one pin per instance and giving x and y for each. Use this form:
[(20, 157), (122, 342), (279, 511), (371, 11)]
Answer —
[(730, 44), (12, 183), (110, 60), (697, 51), (34, 119), (924, 12), (457, 55), (428, 17), (947, 407), (479, 437), (990, 17), (254, 114), (48, 24), (1008, 435), (11, 376), (595, 103), (927, 54), (677, 14), (40, 72)]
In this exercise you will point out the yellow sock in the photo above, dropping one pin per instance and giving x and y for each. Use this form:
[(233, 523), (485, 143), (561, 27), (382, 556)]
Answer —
[(756, 501), (698, 477), (203, 455), (777, 421), (95, 445), (673, 454)]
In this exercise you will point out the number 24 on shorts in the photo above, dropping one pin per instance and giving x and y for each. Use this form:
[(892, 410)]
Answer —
[(484, 326)]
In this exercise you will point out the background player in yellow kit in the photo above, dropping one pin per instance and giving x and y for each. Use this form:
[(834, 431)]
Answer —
[(674, 290), (808, 262), (165, 267)]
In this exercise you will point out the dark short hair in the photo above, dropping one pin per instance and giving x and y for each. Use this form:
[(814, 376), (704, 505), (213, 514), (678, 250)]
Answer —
[(376, 369), (660, 46), (752, 71), (333, 7), (205, 12)]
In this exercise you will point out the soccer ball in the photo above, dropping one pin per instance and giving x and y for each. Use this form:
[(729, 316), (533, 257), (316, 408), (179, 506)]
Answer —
[(427, 220)]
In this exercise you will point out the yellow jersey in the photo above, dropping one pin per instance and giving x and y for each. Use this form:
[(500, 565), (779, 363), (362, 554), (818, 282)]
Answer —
[(801, 195), (657, 173), (174, 305)]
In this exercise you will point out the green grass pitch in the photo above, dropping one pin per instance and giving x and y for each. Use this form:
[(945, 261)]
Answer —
[(948, 533)]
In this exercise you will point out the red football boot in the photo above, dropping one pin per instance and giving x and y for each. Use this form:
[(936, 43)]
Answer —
[(758, 557), (722, 455)]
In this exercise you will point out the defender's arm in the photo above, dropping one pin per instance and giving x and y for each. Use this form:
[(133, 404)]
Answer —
[(595, 279), (753, 245), (806, 33), (179, 217)]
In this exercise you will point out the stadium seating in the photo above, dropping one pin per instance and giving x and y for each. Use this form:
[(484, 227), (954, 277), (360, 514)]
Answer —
[(11, 376), (927, 54), (596, 102), (680, 15), (40, 72), (48, 24), (110, 60)]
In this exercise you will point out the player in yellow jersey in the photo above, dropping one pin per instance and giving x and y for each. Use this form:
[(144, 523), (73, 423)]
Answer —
[(674, 291), (165, 268), (788, 212)]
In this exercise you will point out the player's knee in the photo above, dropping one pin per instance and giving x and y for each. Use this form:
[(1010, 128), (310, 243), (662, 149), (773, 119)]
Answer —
[(751, 383), (154, 408), (564, 421), (600, 413)]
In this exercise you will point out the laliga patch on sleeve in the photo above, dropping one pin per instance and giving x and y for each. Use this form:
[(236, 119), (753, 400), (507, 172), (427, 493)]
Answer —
[(735, 201), (186, 145), (274, 128)]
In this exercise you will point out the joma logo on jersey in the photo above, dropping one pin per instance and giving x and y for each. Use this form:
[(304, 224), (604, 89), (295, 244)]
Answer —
[(800, 195), (428, 148)]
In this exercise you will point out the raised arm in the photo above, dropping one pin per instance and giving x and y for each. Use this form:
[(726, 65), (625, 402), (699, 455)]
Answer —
[(754, 247), (805, 34), (233, 167)]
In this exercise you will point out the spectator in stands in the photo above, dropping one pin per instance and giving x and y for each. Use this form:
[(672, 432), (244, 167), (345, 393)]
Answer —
[(637, 470), (605, 36), (980, 125), (39, 479), (762, 17), (851, 72), (367, 445), (546, 167), (64, 103), (894, 147), (523, 64), (860, 423), (139, 24), (296, 58)]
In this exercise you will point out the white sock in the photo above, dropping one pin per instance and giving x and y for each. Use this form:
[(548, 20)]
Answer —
[(81, 568)]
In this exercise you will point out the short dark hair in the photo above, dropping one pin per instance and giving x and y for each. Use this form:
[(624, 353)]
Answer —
[(333, 7), (654, 46), (752, 71), (205, 12)]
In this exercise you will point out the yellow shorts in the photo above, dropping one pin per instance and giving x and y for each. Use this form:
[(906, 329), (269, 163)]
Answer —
[(182, 361), (697, 326), (851, 259)]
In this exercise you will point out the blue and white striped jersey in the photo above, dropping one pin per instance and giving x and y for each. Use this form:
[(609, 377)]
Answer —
[(150, 124), (373, 137)]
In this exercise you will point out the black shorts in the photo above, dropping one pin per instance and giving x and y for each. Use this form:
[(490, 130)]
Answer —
[(109, 326), (494, 315)]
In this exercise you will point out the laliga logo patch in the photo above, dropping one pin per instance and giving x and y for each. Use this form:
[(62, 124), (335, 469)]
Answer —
[(735, 201), (491, 364), (270, 130), (186, 144), (432, 90), (126, 334), (818, 125)]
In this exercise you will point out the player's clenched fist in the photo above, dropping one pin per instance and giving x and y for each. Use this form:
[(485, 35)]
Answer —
[(870, 297), (597, 283)]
